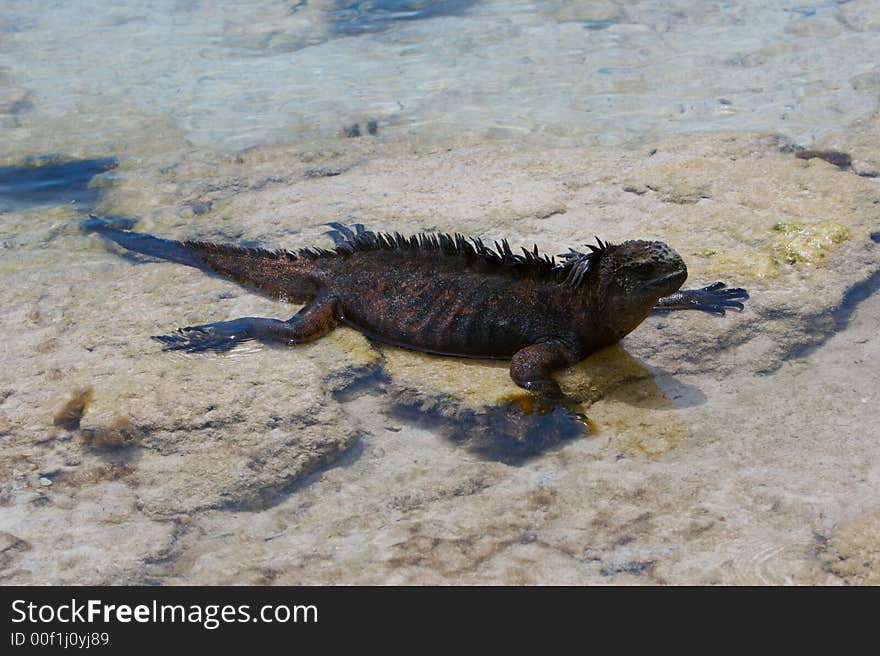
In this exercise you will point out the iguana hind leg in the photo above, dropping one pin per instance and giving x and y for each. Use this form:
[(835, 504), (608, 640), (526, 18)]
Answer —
[(313, 321), (715, 298)]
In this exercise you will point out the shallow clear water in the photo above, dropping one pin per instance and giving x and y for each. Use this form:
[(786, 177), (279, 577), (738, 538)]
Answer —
[(102, 76), (338, 462)]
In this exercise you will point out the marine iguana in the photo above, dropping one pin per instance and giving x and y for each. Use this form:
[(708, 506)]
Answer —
[(443, 294)]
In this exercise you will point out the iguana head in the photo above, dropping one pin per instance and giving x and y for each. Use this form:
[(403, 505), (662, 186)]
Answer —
[(644, 269), (636, 268), (625, 279)]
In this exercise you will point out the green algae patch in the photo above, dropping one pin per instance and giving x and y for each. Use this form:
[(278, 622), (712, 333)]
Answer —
[(801, 243), (791, 242)]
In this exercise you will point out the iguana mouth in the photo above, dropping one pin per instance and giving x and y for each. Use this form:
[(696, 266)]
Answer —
[(667, 284)]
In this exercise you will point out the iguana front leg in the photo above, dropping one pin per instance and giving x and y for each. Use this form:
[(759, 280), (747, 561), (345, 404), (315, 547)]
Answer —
[(313, 321), (715, 298), (531, 367)]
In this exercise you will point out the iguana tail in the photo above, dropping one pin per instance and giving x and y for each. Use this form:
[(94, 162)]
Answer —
[(280, 273)]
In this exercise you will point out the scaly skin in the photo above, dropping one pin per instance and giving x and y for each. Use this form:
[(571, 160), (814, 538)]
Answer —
[(445, 294)]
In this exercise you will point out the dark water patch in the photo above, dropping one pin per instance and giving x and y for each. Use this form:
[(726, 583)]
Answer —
[(598, 24), (821, 328), (354, 130), (513, 432), (805, 12), (353, 17), (875, 237), (635, 567), (788, 147), (94, 223), (47, 180)]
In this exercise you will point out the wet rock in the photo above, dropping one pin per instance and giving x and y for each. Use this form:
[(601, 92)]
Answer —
[(591, 13), (816, 28)]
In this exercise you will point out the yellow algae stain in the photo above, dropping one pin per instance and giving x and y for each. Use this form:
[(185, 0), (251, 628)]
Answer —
[(626, 404), (477, 383), (348, 347), (736, 264), (788, 242), (528, 403), (602, 374)]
